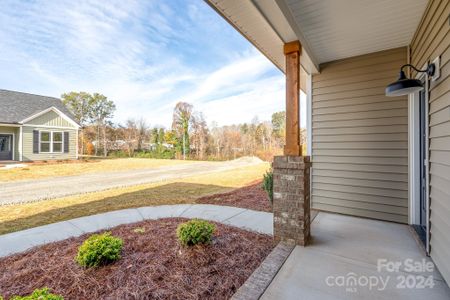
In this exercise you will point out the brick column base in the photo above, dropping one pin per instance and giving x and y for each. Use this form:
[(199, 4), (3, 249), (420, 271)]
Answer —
[(291, 208)]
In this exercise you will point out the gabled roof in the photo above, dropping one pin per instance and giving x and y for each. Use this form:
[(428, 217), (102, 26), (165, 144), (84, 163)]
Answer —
[(17, 106)]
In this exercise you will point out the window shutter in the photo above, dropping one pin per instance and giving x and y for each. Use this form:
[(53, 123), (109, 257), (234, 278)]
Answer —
[(35, 141), (66, 142)]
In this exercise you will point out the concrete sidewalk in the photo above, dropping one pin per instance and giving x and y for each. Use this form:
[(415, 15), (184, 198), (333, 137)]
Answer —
[(238, 217)]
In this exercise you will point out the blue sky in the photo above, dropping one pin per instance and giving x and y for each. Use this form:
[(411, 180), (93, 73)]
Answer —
[(144, 55)]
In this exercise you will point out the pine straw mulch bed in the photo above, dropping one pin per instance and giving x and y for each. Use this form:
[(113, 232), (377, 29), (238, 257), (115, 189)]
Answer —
[(153, 265), (251, 196)]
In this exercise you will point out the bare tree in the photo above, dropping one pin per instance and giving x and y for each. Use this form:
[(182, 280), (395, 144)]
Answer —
[(142, 132), (199, 134), (130, 135), (102, 110), (80, 105)]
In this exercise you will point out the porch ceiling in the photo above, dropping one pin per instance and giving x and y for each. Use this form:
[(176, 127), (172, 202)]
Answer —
[(346, 28), (328, 29)]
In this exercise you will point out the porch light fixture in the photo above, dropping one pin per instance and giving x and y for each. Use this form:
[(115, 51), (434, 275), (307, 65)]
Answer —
[(404, 86)]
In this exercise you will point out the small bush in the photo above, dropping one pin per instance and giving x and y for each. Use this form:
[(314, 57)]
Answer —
[(39, 294), (268, 185), (99, 249), (195, 232)]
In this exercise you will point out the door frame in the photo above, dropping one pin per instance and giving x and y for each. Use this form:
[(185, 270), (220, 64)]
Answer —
[(414, 159), (13, 148)]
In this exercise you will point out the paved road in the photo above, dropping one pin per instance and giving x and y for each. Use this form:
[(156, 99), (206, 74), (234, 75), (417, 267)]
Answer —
[(49, 188)]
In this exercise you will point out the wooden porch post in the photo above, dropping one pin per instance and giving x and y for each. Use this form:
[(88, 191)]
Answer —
[(291, 172), (292, 52)]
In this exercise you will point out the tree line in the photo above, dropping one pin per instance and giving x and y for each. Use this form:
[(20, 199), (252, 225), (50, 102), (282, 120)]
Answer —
[(189, 137)]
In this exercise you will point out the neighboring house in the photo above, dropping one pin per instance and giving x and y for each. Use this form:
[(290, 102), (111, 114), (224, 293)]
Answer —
[(34, 127), (373, 156)]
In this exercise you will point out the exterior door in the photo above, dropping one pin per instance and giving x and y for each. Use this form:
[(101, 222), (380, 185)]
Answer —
[(421, 226), (423, 162), (5, 147)]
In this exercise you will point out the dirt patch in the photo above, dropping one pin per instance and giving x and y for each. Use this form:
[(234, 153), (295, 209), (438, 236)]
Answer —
[(153, 266), (251, 197)]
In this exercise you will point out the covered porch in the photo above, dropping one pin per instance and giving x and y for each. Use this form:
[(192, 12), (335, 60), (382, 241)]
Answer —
[(356, 258), (376, 167)]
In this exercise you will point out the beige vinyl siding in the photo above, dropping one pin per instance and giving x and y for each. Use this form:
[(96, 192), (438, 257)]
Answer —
[(15, 132), (28, 154), (360, 138), (50, 118), (432, 39)]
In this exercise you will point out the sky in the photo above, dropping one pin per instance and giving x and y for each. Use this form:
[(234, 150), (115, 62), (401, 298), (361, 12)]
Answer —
[(144, 55)]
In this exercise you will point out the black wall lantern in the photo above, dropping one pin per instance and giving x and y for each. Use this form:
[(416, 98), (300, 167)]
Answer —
[(404, 86)]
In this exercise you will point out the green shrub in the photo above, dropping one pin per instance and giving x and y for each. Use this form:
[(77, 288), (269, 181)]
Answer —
[(268, 185), (99, 249), (118, 154), (195, 232), (38, 294)]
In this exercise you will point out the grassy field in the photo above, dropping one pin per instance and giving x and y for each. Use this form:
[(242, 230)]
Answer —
[(80, 167), (23, 216)]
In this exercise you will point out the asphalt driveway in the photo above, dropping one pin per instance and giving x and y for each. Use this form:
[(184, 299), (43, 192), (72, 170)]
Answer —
[(56, 187)]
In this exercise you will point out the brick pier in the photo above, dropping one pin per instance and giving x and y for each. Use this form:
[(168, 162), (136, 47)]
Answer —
[(291, 205)]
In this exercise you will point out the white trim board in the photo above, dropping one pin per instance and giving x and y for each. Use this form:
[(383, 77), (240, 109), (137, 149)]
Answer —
[(50, 142), (9, 125), (413, 159), (21, 144), (50, 126)]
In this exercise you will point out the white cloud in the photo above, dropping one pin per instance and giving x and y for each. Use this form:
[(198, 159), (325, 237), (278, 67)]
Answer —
[(144, 55)]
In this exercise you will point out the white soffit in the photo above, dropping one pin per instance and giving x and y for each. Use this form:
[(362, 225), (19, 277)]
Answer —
[(336, 29), (264, 25)]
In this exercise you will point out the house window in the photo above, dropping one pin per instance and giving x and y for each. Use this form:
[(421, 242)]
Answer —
[(57, 142), (45, 141), (51, 142)]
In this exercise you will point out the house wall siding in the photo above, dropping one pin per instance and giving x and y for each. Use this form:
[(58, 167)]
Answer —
[(28, 154), (432, 39), (360, 138), (15, 131), (50, 118)]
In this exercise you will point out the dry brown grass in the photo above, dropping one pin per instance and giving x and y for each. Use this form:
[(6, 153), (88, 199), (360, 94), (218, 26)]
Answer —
[(37, 171), (188, 190)]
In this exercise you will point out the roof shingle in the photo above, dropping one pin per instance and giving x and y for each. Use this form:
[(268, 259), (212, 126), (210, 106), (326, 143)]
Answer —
[(17, 106)]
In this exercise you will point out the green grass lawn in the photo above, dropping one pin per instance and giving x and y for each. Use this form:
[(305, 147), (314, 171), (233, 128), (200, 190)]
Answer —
[(23, 216)]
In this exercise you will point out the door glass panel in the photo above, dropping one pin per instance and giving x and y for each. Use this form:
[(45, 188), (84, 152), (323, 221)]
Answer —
[(3, 144), (421, 226)]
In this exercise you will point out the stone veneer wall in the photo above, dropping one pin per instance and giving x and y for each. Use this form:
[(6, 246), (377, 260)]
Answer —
[(291, 202)]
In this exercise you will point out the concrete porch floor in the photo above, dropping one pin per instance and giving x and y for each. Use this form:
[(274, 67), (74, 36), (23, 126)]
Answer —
[(346, 249)]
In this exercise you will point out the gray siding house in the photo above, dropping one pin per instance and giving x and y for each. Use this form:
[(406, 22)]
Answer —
[(34, 127)]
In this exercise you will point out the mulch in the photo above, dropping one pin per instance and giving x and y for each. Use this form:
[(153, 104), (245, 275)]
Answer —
[(251, 196), (153, 265)]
